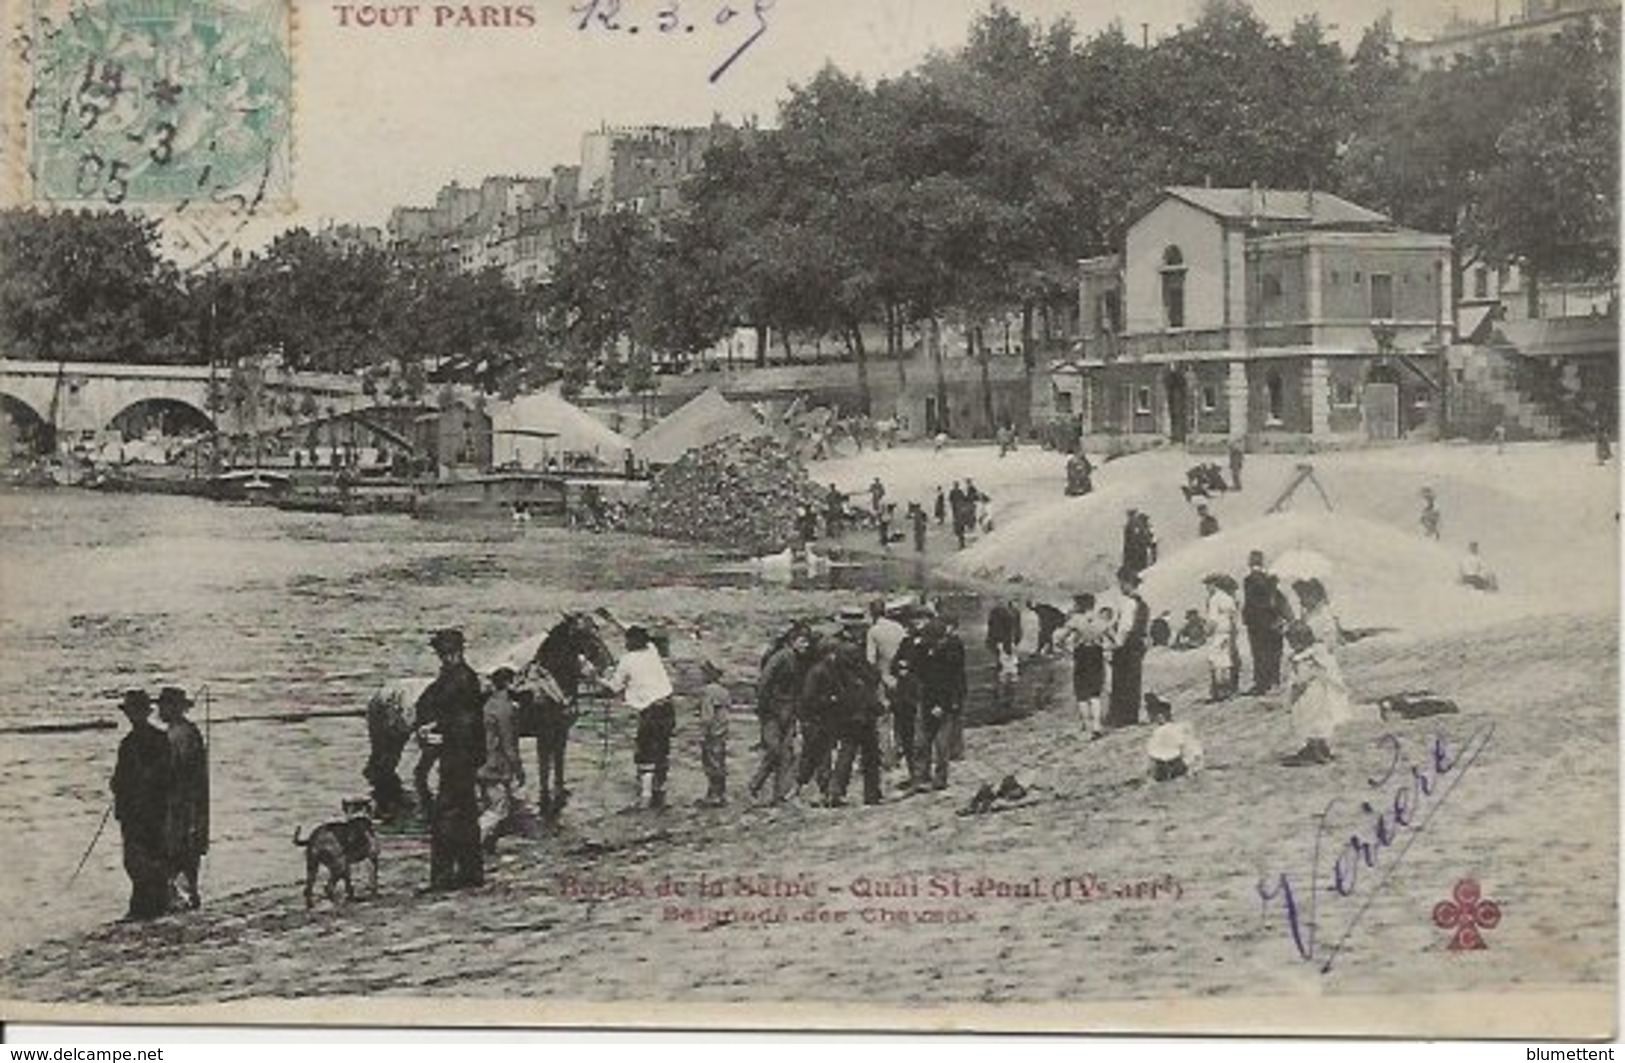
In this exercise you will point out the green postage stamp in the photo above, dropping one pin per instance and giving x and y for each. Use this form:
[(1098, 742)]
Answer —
[(158, 103)]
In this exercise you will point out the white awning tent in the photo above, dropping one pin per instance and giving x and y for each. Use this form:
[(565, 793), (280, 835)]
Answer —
[(703, 420), (534, 427)]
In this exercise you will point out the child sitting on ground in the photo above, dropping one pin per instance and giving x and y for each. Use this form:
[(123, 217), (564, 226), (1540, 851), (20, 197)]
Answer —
[(1173, 748), (1192, 633), (714, 703)]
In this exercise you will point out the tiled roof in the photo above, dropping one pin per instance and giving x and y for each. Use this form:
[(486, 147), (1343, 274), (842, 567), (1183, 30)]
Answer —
[(1278, 204)]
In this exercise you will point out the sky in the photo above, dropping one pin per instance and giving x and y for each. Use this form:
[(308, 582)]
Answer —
[(387, 115)]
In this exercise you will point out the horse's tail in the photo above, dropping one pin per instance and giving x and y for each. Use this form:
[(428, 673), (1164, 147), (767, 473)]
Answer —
[(301, 842)]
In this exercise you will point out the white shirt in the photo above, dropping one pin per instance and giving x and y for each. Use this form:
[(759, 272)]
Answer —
[(641, 675), (884, 640)]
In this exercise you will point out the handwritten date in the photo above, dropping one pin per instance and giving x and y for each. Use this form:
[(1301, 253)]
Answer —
[(672, 17)]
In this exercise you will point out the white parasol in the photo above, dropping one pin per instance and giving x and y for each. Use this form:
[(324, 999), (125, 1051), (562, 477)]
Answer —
[(1302, 564)]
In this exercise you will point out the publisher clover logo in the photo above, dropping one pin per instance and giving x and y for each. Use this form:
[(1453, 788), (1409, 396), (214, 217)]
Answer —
[(1467, 912)]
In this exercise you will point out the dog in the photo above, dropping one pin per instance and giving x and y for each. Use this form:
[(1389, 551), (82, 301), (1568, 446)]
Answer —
[(339, 846)]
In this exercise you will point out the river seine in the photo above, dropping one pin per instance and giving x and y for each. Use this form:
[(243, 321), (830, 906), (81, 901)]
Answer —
[(261, 612)]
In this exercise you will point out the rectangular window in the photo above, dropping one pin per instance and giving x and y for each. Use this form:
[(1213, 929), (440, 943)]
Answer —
[(1210, 398), (1142, 400), (1481, 283), (1382, 297), (1343, 393)]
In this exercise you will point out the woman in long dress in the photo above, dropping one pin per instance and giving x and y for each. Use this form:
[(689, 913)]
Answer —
[(1319, 696), (1223, 628)]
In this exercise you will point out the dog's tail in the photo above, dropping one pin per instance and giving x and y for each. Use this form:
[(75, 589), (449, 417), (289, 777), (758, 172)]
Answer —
[(301, 842)]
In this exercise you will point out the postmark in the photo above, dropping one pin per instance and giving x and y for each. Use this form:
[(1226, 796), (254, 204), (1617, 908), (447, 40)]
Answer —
[(166, 105)]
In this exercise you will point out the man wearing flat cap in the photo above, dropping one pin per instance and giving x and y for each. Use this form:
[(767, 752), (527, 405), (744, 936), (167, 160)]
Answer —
[(451, 726), (186, 830), (841, 700), (141, 785)]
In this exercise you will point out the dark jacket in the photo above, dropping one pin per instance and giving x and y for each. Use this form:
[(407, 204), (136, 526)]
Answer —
[(142, 779), (454, 705), (1003, 627), (1261, 601), (779, 688), (841, 685), (188, 823)]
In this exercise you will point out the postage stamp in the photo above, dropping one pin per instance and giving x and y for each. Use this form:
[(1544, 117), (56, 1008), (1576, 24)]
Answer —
[(158, 103)]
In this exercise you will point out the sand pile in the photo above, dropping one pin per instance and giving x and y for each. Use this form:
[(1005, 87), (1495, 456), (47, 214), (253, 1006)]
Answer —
[(1378, 575)]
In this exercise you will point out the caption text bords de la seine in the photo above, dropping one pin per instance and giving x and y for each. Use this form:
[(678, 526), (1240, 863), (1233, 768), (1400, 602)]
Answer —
[(944, 886)]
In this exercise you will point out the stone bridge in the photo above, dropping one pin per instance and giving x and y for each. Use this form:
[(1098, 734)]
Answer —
[(83, 399)]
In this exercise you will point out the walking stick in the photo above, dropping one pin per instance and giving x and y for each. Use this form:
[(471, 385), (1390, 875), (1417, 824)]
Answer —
[(91, 847)]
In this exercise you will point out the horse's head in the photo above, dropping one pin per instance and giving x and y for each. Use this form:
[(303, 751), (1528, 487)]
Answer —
[(572, 640), (589, 641)]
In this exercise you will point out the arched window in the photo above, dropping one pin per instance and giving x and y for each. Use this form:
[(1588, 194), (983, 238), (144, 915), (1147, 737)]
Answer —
[(1173, 287), (1277, 397)]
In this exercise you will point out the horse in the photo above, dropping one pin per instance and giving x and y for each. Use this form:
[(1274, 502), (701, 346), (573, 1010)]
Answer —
[(548, 675), (546, 688)]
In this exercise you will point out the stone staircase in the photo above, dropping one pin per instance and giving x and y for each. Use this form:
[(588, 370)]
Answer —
[(1490, 387)]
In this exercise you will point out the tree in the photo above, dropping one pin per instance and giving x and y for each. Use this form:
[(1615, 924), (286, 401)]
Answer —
[(1513, 152), (591, 308), (88, 286)]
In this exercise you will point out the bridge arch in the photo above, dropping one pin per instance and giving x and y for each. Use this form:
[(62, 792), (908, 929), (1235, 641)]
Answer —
[(170, 416), (23, 429)]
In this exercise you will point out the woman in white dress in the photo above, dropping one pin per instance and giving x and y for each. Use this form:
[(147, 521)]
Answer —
[(1317, 693), (1223, 630)]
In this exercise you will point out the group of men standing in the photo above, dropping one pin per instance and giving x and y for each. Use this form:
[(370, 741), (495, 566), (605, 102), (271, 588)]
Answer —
[(886, 690), (161, 801)]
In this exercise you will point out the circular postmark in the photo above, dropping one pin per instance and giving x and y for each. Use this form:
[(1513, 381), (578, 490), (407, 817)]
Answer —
[(182, 109)]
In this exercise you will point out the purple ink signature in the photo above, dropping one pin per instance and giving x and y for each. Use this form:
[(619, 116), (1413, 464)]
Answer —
[(1387, 828), (671, 17)]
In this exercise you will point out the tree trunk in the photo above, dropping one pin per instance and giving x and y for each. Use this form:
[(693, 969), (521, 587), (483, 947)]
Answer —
[(978, 345), (784, 342), (854, 341), (934, 341), (761, 348), (894, 344), (1029, 362)]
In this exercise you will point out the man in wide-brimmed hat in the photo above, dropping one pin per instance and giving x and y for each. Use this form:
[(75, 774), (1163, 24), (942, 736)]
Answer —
[(142, 780), (187, 826)]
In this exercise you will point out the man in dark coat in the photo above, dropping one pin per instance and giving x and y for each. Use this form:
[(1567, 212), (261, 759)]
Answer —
[(842, 693), (1133, 628), (778, 695), (454, 704), (1265, 620), (939, 663), (187, 823), (956, 504), (1003, 636), (142, 780)]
